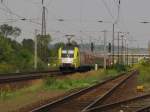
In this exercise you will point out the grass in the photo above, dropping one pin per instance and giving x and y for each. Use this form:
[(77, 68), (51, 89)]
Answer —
[(80, 80), (5, 95), (68, 84), (144, 73), (51, 87), (27, 99)]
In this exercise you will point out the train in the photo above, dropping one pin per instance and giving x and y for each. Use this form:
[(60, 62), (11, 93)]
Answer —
[(71, 58)]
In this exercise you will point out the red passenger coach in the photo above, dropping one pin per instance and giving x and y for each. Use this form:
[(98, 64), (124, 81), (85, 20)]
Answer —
[(89, 58)]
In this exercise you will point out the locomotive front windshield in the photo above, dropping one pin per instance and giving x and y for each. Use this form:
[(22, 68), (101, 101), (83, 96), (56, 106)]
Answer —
[(67, 54)]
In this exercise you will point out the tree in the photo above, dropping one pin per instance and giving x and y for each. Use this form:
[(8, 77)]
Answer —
[(6, 50), (15, 45), (16, 32), (43, 51), (7, 30), (58, 45), (28, 44), (54, 50)]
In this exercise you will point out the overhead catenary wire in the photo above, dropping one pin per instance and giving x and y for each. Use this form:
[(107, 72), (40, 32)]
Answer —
[(8, 10), (81, 24), (108, 9), (118, 15), (18, 16), (22, 18), (49, 3)]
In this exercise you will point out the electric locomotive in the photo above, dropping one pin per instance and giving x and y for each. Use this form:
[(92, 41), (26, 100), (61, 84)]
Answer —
[(71, 58)]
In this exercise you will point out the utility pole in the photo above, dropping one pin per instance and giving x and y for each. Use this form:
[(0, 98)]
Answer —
[(125, 51), (127, 55), (113, 46), (132, 59), (35, 50), (118, 47), (113, 35), (122, 50), (43, 47), (43, 30), (105, 55)]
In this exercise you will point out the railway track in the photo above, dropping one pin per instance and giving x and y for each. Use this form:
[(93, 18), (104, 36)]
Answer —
[(136, 104), (86, 98), (14, 77), (117, 93), (144, 109)]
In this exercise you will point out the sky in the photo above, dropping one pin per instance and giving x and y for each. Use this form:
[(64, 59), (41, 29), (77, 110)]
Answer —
[(81, 19)]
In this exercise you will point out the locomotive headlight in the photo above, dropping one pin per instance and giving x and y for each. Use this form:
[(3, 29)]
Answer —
[(67, 60)]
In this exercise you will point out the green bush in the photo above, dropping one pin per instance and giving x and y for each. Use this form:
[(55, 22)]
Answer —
[(15, 56), (144, 72), (67, 84), (7, 68), (120, 67), (48, 81)]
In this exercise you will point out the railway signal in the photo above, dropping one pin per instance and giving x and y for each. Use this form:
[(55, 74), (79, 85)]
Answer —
[(92, 46), (109, 47)]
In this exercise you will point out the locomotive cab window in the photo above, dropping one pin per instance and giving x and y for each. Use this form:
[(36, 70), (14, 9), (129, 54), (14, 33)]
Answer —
[(65, 55)]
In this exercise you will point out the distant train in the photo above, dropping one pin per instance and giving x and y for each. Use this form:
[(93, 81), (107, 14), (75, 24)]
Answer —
[(70, 57)]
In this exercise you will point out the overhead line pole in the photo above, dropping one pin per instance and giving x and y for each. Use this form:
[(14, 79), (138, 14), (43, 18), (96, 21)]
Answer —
[(43, 33), (43, 30), (105, 55), (127, 55), (113, 46), (122, 50), (118, 48), (35, 50), (125, 51)]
